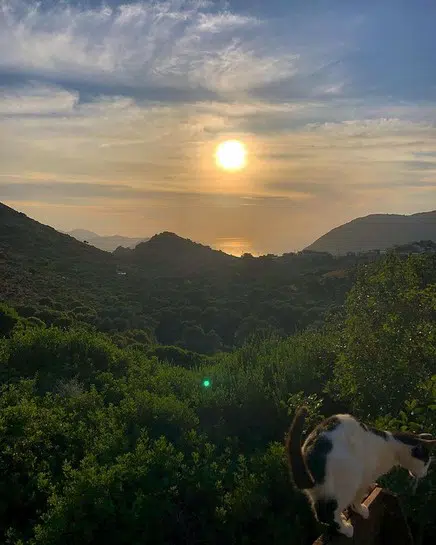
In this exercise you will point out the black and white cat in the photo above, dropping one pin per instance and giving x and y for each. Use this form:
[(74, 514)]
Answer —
[(342, 457)]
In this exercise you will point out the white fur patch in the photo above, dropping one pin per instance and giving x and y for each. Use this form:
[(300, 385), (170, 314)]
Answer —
[(357, 459)]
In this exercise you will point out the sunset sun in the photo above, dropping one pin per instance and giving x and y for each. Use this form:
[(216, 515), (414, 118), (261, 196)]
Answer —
[(231, 155)]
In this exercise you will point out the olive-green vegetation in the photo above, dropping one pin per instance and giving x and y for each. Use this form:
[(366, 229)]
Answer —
[(168, 427), (134, 443), (377, 231), (181, 293)]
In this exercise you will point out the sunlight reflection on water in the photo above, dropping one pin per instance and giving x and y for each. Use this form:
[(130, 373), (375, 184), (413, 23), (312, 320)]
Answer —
[(234, 246)]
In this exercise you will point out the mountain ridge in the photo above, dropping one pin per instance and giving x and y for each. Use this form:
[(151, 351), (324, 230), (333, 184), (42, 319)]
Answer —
[(107, 243), (377, 232), (170, 252), (38, 255)]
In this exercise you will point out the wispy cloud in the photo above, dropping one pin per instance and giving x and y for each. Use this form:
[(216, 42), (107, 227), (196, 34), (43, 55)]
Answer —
[(175, 44), (119, 109), (36, 100), (62, 192)]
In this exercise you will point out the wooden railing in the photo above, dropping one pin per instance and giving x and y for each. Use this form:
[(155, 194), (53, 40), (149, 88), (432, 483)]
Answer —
[(386, 524)]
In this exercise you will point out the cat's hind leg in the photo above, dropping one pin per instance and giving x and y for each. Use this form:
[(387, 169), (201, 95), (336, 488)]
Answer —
[(328, 512)]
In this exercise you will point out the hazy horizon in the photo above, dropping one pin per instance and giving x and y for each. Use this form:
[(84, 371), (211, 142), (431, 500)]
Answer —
[(111, 114), (230, 245)]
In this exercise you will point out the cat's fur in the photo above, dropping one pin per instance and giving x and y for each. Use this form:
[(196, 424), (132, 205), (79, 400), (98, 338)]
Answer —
[(342, 457)]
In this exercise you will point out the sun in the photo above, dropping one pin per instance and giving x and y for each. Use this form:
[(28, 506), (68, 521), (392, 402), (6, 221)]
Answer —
[(231, 155)]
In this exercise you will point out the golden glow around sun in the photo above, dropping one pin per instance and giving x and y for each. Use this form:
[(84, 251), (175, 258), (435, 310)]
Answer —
[(231, 155)]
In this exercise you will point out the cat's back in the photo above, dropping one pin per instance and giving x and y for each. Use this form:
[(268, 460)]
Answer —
[(339, 436), (338, 428)]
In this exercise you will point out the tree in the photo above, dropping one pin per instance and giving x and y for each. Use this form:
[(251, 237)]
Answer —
[(388, 345), (8, 319), (194, 338)]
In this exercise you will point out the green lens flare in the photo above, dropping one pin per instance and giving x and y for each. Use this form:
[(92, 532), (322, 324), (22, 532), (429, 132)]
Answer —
[(206, 383)]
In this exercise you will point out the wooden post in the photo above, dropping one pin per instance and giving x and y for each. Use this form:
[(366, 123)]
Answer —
[(386, 524)]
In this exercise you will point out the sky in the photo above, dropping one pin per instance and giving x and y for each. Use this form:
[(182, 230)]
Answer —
[(110, 114)]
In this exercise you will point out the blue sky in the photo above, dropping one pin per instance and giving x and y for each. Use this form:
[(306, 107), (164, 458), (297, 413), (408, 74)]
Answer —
[(110, 115)]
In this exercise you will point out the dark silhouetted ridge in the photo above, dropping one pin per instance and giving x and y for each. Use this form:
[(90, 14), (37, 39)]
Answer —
[(37, 258), (377, 232), (21, 236), (173, 254)]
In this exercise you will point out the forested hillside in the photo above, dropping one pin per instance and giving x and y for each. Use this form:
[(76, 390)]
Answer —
[(377, 231), (171, 290), (122, 443)]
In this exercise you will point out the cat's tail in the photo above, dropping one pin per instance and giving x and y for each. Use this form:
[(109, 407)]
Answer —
[(300, 474)]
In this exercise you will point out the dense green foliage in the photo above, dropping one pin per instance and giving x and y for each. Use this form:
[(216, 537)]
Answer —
[(138, 406), (182, 293), (111, 437), (390, 334), (201, 312)]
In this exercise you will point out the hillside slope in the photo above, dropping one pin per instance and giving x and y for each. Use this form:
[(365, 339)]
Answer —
[(35, 257), (182, 293), (170, 254), (377, 231)]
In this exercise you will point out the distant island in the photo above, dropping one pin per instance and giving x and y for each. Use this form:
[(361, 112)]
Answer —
[(106, 243)]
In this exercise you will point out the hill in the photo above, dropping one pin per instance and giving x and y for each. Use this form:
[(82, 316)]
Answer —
[(24, 240), (151, 444), (37, 259), (172, 289), (106, 243), (377, 231), (170, 254), (81, 234)]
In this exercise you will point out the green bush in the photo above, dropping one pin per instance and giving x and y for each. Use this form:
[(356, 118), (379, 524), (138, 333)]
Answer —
[(114, 438), (53, 354), (177, 356), (8, 320), (389, 338)]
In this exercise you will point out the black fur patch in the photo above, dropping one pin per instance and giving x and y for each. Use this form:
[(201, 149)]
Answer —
[(325, 512), (330, 423), (419, 450), (422, 453), (380, 433), (406, 438), (317, 447)]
